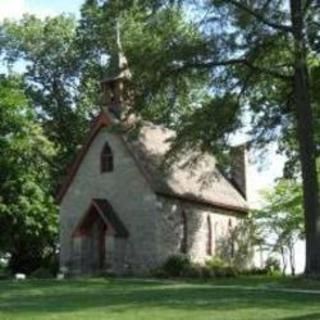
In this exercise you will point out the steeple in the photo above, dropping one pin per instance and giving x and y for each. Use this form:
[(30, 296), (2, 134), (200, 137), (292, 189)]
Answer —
[(113, 85)]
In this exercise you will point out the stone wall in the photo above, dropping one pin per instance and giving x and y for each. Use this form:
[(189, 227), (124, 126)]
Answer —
[(170, 222), (154, 223), (130, 196)]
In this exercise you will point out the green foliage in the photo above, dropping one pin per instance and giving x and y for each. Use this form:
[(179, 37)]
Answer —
[(49, 50), (28, 220), (221, 269), (154, 43), (42, 273), (283, 212), (281, 221), (180, 266), (176, 265), (197, 73), (272, 265)]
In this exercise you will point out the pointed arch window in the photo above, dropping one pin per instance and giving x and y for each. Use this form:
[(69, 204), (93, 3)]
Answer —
[(106, 159), (184, 239), (209, 237), (231, 235)]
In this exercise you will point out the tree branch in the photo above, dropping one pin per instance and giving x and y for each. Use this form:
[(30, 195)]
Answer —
[(260, 17), (307, 5), (242, 61)]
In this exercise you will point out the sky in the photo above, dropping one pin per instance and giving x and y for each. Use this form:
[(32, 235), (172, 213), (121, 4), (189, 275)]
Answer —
[(261, 173), (15, 8)]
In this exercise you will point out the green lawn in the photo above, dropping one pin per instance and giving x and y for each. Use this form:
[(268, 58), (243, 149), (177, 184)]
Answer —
[(129, 299)]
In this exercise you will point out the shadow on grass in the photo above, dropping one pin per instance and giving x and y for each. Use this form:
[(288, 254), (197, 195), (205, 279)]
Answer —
[(118, 296), (313, 316)]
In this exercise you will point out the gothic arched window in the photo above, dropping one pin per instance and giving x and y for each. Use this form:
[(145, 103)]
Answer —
[(209, 237), (184, 239), (231, 235), (106, 159)]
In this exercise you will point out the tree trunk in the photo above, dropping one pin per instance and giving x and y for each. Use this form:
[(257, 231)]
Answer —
[(284, 260), (292, 258), (306, 141)]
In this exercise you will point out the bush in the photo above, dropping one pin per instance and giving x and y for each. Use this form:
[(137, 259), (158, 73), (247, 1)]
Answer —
[(255, 272), (159, 273), (193, 271), (272, 265), (177, 265), (221, 269), (4, 274), (181, 266), (42, 273)]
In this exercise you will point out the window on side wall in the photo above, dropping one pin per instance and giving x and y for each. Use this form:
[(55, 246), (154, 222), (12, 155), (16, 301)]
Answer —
[(231, 238), (184, 239), (209, 237)]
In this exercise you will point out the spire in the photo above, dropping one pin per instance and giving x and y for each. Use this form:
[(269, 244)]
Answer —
[(118, 65), (117, 74), (124, 71)]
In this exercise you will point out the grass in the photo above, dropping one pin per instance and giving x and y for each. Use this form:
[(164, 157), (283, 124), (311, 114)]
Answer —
[(114, 299), (271, 282)]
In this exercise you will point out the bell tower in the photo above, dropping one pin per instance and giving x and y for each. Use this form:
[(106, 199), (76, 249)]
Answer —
[(118, 75)]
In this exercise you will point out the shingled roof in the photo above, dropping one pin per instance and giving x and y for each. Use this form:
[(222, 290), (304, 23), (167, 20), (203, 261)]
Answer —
[(195, 180), (200, 181)]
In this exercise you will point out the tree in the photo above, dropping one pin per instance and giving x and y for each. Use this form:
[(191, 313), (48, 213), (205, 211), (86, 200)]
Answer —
[(244, 237), (226, 59), (28, 217), (255, 55), (281, 220), (259, 53), (153, 35), (65, 67), (49, 50)]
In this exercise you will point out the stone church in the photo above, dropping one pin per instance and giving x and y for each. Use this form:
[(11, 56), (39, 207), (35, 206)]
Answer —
[(121, 212)]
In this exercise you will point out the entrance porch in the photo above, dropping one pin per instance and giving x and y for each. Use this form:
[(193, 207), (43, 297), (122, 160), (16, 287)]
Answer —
[(94, 239)]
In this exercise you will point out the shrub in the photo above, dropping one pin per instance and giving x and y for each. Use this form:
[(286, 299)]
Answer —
[(255, 271), (272, 264), (177, 265), (42, 273), (159, 273), (4, 274), (181, 266), (193, 271), (207, 272), (220, 268)]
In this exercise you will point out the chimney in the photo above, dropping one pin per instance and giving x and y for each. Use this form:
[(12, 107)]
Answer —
[(239, 168)]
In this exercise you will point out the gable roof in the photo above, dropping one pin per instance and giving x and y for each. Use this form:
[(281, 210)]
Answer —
[(102, 120), (193, 176), (106, 210), (201, 181), (107, 214)]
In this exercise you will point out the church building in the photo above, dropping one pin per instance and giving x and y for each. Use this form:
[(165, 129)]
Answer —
[(121, 212)]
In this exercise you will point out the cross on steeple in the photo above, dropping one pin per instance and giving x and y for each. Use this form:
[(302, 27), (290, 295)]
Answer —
[(118, 75)]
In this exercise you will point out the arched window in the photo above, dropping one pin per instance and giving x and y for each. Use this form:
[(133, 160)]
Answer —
[(216, 236), (184, 239), (231, 235), (209, 237), (106, 159)]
